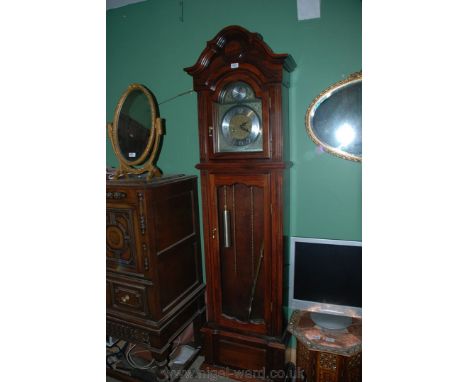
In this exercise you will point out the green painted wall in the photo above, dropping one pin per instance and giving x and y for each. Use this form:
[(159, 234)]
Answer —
[(147, 43)]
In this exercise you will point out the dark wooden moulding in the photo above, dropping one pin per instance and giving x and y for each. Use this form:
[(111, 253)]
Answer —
[(232, 344)]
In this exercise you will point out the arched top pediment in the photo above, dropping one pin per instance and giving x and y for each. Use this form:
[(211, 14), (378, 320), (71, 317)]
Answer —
[(235, 48)]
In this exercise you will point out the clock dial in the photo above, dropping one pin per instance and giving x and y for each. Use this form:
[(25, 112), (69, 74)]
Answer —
[(239, 93), (240, 126), (238, 120)]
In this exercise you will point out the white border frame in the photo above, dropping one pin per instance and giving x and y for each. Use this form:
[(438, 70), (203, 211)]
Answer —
[(293, 303)]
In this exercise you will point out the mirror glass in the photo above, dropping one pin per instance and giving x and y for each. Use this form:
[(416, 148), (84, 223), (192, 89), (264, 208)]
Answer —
[(134, 125), (334, 119)]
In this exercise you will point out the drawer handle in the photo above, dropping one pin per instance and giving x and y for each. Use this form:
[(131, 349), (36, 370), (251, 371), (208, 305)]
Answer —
[(125, 298), (116, 195)]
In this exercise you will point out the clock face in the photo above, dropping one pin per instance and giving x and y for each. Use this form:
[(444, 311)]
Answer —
[(240, 126), (239, 121), (239, 92)]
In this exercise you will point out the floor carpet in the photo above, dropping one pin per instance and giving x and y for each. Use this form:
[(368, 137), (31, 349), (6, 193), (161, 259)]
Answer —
[(193, 374)]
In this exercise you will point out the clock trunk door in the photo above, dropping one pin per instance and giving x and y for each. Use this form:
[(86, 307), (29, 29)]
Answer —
[(241, 250)]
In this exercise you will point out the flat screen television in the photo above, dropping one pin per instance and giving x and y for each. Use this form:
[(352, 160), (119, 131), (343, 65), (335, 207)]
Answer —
[(325, 276)]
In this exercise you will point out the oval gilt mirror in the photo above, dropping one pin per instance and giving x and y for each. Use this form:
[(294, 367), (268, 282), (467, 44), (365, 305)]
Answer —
[(134, 126), (334, 118), (136, 132)]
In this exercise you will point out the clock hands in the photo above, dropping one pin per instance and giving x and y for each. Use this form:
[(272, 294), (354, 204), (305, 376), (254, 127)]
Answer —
[(242, 127)]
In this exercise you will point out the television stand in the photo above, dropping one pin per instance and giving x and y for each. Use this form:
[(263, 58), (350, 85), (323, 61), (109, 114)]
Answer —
[(331, 321), (326, 355)]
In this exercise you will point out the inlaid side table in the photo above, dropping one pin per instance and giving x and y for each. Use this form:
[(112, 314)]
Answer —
[(325, 355)]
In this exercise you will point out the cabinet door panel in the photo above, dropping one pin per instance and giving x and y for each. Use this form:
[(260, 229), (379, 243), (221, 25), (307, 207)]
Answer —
[(241, 251), (122, 240)]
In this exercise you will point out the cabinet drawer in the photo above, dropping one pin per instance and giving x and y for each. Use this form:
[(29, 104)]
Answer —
[(127, 297), (117, 195)]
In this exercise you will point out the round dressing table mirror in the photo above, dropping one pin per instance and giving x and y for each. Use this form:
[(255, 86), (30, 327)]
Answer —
[(334, 118), (136, 132)]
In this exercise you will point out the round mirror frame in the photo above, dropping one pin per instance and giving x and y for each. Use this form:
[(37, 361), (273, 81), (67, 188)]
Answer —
[(146, 159), (352, 78)]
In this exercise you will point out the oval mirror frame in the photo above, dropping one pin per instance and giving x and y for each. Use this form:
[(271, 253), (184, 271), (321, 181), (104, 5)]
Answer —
[(315, 104), (145, 161)]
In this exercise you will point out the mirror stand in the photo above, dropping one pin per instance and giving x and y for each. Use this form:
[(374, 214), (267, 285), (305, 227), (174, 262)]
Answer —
[(125, 169), (136, 133)]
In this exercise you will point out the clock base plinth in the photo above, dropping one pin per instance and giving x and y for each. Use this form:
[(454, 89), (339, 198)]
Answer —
[(243, 357)]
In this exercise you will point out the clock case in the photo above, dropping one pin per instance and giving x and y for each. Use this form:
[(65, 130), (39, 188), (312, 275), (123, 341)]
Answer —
[(245, 327)]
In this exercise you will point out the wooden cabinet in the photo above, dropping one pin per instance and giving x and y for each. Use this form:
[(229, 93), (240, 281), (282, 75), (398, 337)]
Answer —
[(154, 278), (242, 91), (326, 355), (323, 366)]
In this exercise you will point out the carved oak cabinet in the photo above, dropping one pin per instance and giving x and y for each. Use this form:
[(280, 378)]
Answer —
[(154, 280), (242, 88)]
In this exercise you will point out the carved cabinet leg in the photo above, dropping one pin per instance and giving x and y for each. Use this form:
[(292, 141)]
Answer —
[(329, 369), (353, 369), (305, 365), (198, 322), (162, 370)]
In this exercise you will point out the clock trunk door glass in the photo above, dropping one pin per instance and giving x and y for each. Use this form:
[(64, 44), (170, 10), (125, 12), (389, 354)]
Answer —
[(242, 259), (239, 121)]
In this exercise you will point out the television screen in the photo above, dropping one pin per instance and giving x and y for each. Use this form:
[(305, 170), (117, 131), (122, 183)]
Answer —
[(327, 271)]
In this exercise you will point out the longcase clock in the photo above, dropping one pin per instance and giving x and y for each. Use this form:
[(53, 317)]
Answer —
[(242, 89)]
